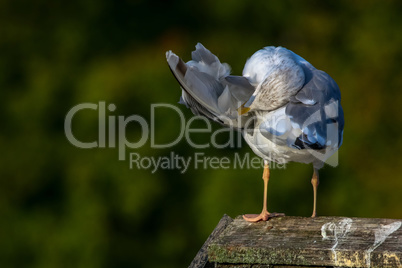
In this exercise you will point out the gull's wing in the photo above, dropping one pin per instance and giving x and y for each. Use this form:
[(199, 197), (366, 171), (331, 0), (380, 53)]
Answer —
[(200, 90), (317, 111), (208, 89), (313, 118), (240, 87)]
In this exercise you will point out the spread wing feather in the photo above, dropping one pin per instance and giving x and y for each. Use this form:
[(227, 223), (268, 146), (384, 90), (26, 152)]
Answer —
[(208, 89)]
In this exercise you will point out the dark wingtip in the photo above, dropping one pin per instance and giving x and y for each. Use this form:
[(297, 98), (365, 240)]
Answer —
[(300, 144)]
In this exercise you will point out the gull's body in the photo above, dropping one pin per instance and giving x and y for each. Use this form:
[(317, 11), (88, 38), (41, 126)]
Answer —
[(286, 109)]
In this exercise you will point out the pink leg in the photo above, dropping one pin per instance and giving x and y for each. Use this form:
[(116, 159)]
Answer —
[(315, 180), (264, 215)]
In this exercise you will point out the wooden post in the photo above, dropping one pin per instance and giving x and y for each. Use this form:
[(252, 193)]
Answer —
[(317, 242), (201, 259)]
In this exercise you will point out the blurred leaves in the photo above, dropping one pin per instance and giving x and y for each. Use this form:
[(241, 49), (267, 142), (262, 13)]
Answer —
[(62, 206)]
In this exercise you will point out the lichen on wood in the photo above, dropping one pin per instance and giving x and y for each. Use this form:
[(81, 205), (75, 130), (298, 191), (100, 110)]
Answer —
[(321, 241)]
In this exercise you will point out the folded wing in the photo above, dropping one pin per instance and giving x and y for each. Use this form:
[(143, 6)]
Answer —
[(313, 118)]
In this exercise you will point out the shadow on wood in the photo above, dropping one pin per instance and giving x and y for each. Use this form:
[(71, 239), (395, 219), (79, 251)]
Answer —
[(298, 241)]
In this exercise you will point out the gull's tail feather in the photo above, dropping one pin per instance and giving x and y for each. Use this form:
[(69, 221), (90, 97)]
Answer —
[(208, 89)]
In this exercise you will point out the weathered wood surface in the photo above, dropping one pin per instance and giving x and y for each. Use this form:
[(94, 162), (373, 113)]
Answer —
[(201, 259), (319, 242)]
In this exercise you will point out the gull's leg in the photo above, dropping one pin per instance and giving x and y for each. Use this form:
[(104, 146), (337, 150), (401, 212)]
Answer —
[(315, 180), (264, 215)]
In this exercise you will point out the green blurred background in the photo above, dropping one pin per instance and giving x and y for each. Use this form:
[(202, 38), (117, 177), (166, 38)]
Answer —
[(62, 206)]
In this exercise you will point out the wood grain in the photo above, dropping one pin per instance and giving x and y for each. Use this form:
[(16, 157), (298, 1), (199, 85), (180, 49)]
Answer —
[(201, 259), (320, 242)]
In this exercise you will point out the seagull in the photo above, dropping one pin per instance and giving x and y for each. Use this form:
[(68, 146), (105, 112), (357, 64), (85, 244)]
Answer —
[(286, 109)]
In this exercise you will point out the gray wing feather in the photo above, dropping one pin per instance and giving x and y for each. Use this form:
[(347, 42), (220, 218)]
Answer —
[(240, 87), (199, 104), (315, 106), (203, 54), (205, 87), (197, 108), (206, 91)]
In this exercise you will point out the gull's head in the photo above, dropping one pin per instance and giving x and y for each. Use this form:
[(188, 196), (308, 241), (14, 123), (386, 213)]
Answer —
[(276, 75), (255, 70), (260, 64)]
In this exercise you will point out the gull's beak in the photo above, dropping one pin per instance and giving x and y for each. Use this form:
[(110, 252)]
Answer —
[(243, 110), (245, 107)]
